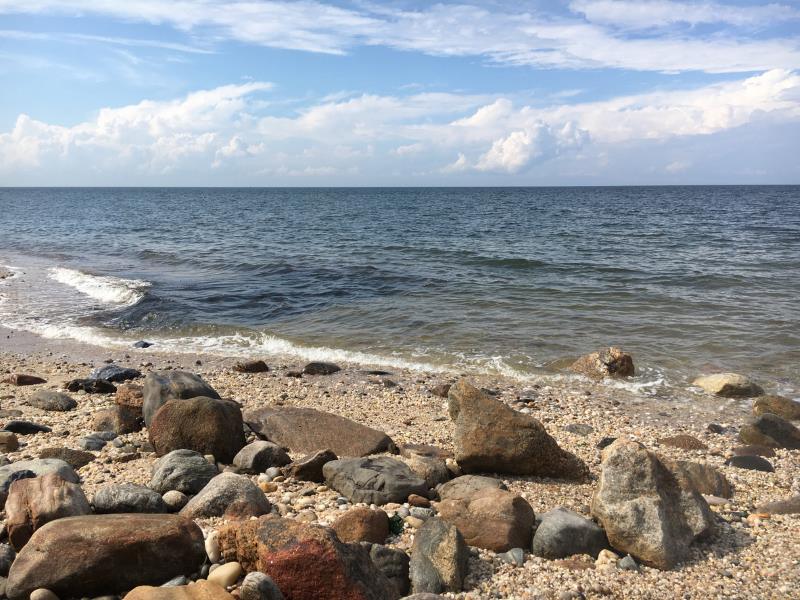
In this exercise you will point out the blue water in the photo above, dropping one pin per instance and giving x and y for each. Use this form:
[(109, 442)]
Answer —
[(514, 280)]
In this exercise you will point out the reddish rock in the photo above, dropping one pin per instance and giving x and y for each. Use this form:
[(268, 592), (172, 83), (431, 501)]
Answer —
[(130, 395), (200, 590), (362, 524), (119, 419), (19, 379), (415, 500), (683, 441)]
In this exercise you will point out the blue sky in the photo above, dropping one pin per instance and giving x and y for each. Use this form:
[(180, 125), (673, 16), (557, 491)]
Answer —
[(580, 92)]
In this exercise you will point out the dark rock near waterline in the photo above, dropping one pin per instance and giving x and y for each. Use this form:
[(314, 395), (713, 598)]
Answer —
[(52, 401), (127, 498), (728, 385), (186, 471), (162, 386), (753, 463), (771, 430), (142, 344), (562, 533), (321, 368), (91, 386), (252, 366), (227, 494), (608, 362), (309, 468), (115, 373), (439, 558), (26, 427), (373, 480), (258, 456)]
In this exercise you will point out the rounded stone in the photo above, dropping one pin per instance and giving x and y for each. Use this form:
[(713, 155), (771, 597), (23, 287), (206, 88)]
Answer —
[(226, 575), (258, 586), (43, 594), (212, 547), (175, 500)]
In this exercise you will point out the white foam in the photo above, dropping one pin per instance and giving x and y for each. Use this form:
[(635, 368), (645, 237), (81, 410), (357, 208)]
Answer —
[(108, 290)]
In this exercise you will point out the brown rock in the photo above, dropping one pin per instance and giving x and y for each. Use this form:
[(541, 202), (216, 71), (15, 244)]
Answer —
[(461, 488), (608, 362), (491, 518), (684, 442), (771, 430), (415, 500), (441, 390), (74, 458), (205, 425), (425, 450), (130, 395), (306, 562), (704, 478), (433, 470), (728, 385), (754, 450), (777, 405), (20, 380), (119, 419), (309, 468), (252, 366), (8, 441), (790, 506), (201, 590), (362, 524), (309, 430), (491, 437)]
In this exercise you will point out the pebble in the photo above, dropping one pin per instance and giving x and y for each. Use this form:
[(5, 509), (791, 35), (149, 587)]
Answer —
[(175, 500), (627, 564), (226, 575), (403, 512), (212, 547), (414, 522), (515, 556), (43, 594)]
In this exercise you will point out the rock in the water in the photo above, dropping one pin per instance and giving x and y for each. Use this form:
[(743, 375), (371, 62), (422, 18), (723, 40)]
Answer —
[(777, 405), (790, 506), (750, 462), (608, 362), (439, 558), (491, 437), (20, 379), (683, 441), (200, 590), (728, 385), (361, 524), (392, 562), (309, 468), (162, 386), (643, 509), (142, 344), (26, 427), (251, 366), (258, 586), (72, 556), (127, 498), (320, 368), (114, 373), (74, 458), (564, 533), (52, 400), (491, 518), (37, 468), (461, 488), (309, 430), (8, 441), (230, 494), (259, 456), (32, 503), (186, 471), (704, 478), (771, 430), (305, 561), (206, 425), (91, 386), (373, 480)]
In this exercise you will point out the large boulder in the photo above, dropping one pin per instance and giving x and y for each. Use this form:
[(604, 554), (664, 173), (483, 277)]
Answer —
[(728, 385), (392, 562), (644, 510), (43, 466), (771, 431), (373, 480), (199, 590), (608, 362), (97, 555), (704, 478), (127, 498), (259, 456), (206, 425), (491, 437), (305, 561), (564, 533), (461, 488), (52, 401), (308, 430), (162, 386), (186, 471), (228, 494), (491, 518), (439, 558), (34, 502)]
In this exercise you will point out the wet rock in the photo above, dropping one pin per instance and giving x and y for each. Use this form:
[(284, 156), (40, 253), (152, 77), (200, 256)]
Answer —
[(439, 558), (72, 556), (26, 427), (37, 468), (608, 362), (777, 405), (752, 463), (258, 586), (491, 437), (52, 401), (770, 430), (91, 386), (20, 379), (127, 498), (227, 493), (393, 563), (373, 480), (321, 368), (683, 441), (186, 471), (362, 524), (790, 506), (114, 373), (162, 386), (309, 468), (564, 533), (251, 366), (461, 488), (704, 478), (142, 344), (728, 385), (259, 456), (201, 590)]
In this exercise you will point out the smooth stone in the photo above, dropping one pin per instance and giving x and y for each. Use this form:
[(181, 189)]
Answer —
[(174, 500), (258, 456), (142, 344), (252, 366), (92, 443), (728, 385), (627, 563), (199, 590), (127, 498), (115, 374), (258, 586), (563, 533), (361, 524), (20, 379), (26, 427), (226, 575), (321, 368), (754, 450), (212, 547), (308, 468), (52, 401), (704, 478), (36, 468), (752, 463), (373, 480), (465, 486), (227, 494), (185, 471), (579, 429), (515, 556), (43, 594)]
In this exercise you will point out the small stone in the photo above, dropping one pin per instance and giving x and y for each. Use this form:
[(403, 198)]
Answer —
[(752, 463), (93, 443), (790, 506), (320, 368), (415, 500), (26, 427), (43, 594), (8, 442), (606, 559), (754, 450), (227, 574), (252, 366), (175, 500), (771, 430), (628, 564), (421, 513), (414, 522), (515, 556), (684, 442), (578, 429), (258, 586)]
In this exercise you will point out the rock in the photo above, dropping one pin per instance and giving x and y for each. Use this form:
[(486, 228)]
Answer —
[(20, 380), (643, 509), (309, 468), (790, 506), (515, 556), (309, 430), (424, 596), (230, 494), (728, 385), (119, 419), (114, 373), (361, 524), (704, 478), (32, 503), (777, 405), (441, 390), (174, 500), (72, 556), (373, 480), (491, 437), (258, 586), (491, 518), (439, 558), (127, 498), (7, 556), (627, 563), (608, 362), (306, 562), (683, 441), (186, 471), (142, 344), (394, 564), (461, 488), (52, 400), (162, 386), (9, 473), (433, 470), (91, 386), (130, 395), (424, 450), (226, 575), (8, 441), (43, 594), (201, 590), (26, 427), (419, 501), (92, 442), (752, 463), (320, 368), (206, 425), (259, 456), (251, 366), (754, 450), (579, 429), (564, 533), (769, 430), (74, 458)]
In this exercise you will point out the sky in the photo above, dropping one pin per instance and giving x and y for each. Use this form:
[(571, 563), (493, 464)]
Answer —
[(398, 93)]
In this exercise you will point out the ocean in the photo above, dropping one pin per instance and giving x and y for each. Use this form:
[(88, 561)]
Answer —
[(514, 281)]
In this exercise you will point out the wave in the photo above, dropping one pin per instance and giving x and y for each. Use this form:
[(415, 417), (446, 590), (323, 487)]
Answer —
[(108, 290)]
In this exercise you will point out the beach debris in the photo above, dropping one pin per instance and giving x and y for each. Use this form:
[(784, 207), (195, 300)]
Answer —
[(608, 362), (728, 385)]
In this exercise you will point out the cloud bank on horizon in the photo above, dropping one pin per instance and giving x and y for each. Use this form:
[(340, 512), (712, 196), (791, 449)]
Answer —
[(195, 92)]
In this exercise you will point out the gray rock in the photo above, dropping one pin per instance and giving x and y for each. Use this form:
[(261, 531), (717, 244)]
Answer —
[(259, 456), (7, 556), (258, 586), (771, 430), (309, 468), (515, 556), (752, 463), (176, 581), (564, 533), (114, 373), (373, 480), (163, 386), (92, 442), (320, 368), (38, 468), (105, 435), (392, 562), (174, 500), (627, 563), (439, 558), (128, 498), (227, 493), (91, 386), (52, 400), (579, 428), (421, 513), (465, 486), (186, 471)]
